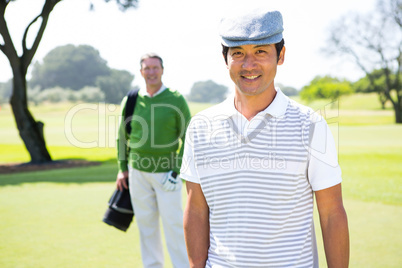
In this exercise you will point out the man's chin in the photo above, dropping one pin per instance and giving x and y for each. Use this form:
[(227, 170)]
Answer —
[(153, 82), (251, 91)]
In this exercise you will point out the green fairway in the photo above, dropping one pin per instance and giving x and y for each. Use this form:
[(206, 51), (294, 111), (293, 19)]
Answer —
[(49, 214), (54, 218), (57, 221)]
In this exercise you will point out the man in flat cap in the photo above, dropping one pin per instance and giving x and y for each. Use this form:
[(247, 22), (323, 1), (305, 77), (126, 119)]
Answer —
[(254, 162)]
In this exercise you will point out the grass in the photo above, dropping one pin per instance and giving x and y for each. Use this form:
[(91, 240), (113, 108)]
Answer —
[(375, 237), (61, 227), (355, 110), (13, 153), (370, 158), (53, 218)]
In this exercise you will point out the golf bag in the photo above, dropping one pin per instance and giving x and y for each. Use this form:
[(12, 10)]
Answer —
[(120, 212)]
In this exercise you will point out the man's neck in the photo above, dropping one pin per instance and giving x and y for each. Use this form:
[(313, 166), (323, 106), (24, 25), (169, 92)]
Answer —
[(152, 89), (250, 106)]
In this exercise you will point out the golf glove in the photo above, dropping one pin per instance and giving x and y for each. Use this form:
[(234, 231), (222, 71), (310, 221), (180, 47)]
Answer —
[(171, 181)]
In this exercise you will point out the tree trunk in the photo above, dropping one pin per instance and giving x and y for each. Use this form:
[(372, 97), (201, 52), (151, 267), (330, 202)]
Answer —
[(31, 131), (398, 116), (383, 99), (398, 111)]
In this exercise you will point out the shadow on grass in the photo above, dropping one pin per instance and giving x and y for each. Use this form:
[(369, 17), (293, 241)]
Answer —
[(104, 171)]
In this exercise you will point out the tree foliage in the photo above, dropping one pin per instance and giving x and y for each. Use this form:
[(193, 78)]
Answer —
[(58, 94), (30, 130), (69, 66), (207, 91), (76, 67), (325, 88), (374, 42), (364, 85), (376, 82), (115, 85), (288, 91)]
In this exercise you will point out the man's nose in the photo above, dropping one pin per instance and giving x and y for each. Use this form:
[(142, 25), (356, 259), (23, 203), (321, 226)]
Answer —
[(248, 62)]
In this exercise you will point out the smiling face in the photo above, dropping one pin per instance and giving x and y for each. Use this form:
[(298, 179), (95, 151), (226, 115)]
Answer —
[(253, 67), (152, 71)]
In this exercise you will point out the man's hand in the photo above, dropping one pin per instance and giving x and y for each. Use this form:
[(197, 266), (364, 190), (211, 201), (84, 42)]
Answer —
[(170, 181), (196, 225), (121, 180)]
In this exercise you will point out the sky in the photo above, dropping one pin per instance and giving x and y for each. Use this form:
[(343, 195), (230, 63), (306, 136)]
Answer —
[(185, 34)]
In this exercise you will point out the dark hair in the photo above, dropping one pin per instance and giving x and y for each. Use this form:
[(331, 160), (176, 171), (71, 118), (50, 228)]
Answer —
[(151, 56), (278, 47)]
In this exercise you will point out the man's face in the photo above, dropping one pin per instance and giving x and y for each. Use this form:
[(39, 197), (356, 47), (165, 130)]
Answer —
[(151, 70), (253, 67)]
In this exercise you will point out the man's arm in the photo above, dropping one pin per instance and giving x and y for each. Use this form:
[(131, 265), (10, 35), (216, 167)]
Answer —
[(334, 226), (183, 119), (121, 145), (196, 226)]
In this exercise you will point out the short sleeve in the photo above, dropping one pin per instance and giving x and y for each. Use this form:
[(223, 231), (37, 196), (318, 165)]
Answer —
[(188, 169), (323, 168)]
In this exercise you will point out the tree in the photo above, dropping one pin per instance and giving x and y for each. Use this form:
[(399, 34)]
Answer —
[(69, 66), (374, 42), (76, 67), (115, 85), (325, 88), (30, 130), (207, 91), (375, 83)]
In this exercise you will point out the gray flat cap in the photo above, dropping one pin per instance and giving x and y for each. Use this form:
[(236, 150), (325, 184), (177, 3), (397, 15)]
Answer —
[(255, 28)]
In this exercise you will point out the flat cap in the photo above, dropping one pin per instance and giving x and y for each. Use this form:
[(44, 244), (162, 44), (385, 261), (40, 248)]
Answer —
[(255, 28)]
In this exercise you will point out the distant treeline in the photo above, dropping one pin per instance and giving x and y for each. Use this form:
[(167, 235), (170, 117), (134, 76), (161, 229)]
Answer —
[(78, 73), (72, 73)]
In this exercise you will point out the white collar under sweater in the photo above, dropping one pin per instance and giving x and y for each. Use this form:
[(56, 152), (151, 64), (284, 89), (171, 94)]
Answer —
[(144, 92)]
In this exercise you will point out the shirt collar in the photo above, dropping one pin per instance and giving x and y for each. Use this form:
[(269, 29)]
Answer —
[(277, 108), (144, 92)]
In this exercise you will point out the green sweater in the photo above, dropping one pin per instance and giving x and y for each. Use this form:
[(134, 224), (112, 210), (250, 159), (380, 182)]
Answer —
[(158, 125)]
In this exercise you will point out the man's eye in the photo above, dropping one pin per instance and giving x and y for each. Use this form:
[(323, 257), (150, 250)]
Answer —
[(261, 51), (237, 53)]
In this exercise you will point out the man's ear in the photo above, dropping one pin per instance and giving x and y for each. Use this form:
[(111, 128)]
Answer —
[(282, 56)]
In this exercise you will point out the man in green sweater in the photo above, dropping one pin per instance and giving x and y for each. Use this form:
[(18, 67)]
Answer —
[(150, 158)]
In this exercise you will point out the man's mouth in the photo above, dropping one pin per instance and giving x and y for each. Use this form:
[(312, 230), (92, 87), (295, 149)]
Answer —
[(250, 77)]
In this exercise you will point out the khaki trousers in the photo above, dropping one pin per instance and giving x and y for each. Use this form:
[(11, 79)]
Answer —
[(149, 202)]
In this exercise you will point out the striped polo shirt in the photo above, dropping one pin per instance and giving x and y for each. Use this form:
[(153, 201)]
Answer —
[(258, 179)]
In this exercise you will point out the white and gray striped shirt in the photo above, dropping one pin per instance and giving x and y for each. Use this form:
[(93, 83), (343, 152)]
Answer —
[(258, 179)]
